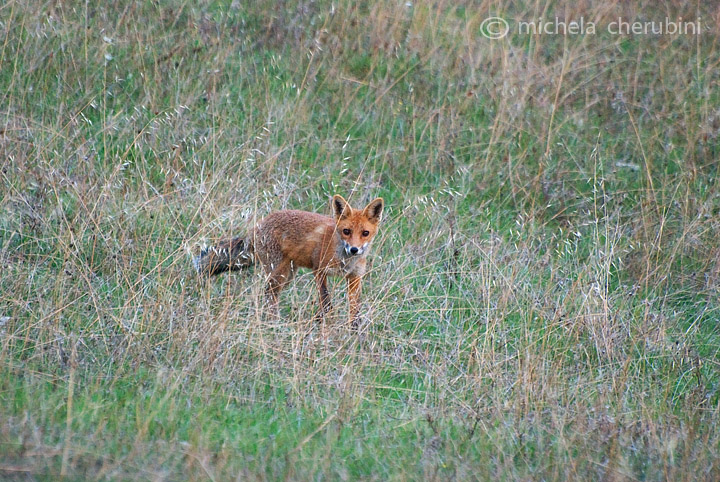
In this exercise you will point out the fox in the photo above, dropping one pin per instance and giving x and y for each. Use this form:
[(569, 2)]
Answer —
[(284, 241)]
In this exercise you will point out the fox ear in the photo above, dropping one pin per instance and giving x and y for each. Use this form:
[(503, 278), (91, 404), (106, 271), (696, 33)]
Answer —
[(374, 210), (341, 208)]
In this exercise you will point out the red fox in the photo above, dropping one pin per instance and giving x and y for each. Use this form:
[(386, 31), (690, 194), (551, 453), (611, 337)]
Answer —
[(287, 240)]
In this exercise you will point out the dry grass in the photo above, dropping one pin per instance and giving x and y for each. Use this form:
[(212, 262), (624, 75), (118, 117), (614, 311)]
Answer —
[(543, 295)]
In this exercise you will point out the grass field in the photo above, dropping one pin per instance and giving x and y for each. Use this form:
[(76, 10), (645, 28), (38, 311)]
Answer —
[(543, 299)]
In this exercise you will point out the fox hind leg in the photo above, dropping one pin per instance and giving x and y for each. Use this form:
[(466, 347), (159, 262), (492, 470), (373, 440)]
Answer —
[(278, 277)]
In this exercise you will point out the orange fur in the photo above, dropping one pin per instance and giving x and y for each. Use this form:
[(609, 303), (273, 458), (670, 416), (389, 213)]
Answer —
[(287, 240)]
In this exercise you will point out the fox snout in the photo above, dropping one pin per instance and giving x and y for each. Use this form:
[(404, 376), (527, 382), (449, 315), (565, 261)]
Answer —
[(351, 250)]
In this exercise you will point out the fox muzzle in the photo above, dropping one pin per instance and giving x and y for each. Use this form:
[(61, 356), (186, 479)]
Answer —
[(354, 250)]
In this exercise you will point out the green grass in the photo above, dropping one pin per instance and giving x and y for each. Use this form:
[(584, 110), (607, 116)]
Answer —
[(542, 301)]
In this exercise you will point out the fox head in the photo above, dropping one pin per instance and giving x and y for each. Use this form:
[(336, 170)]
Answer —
[(355, 227)]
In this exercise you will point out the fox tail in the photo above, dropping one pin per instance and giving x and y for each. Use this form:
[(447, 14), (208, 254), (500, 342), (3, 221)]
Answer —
[(228, 255)]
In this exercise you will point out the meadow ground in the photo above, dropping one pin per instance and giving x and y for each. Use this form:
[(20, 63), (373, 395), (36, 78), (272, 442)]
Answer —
[(543, 296)]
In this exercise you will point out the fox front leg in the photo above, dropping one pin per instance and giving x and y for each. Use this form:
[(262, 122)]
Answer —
[(354, 284), (325, 303)]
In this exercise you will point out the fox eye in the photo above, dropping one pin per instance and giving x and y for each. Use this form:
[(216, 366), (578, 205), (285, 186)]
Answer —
[(365, 234), (346, 232)]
